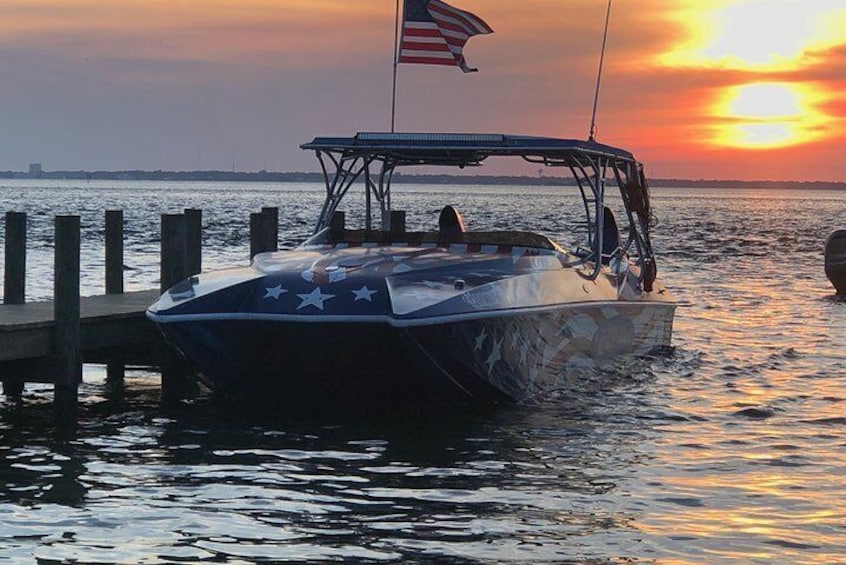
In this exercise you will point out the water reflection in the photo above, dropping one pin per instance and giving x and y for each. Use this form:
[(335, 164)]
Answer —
[(730, 449), (517, 482)]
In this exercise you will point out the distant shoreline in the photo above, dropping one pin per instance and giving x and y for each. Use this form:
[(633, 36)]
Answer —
[(269, 176)]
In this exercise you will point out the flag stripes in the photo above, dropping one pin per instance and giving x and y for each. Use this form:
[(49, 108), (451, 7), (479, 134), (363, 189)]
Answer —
[(434, 33)]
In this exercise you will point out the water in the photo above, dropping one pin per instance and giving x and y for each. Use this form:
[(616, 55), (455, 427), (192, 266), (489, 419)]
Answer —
[(731, 449)]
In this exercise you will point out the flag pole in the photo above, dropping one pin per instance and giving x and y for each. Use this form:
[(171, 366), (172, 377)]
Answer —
[(592, 131), (396, 63)]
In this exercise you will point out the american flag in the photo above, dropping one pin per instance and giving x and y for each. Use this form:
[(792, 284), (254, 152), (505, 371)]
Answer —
[(434, 33)]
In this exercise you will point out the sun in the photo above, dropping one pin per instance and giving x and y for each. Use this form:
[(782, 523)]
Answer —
[(768, 115)]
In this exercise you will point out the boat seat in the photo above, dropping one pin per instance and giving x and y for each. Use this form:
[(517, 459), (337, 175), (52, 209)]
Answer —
[(610, 235), (450, 223)]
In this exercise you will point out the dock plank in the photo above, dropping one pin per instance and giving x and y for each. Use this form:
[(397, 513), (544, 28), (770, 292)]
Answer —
[(106, 321)]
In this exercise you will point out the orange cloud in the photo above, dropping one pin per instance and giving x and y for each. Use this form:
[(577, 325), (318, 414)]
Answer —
[(759, 35)]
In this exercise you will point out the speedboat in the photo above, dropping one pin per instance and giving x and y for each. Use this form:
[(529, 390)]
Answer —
[(378, 317)]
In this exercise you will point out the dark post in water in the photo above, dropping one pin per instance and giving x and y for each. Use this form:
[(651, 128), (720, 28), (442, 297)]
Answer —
[(173, 251), (14, 277), (272, 226), (114, 251), (194, 241), (115, 371), (173, 270), (66, 311), (263, 232)]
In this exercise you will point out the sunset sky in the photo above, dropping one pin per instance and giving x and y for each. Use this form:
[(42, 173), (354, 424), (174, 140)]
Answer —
[(723, 89)]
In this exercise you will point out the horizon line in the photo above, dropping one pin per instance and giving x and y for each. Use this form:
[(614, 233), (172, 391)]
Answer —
[(204, 174)]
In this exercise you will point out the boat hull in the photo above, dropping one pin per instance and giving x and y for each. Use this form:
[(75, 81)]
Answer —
[(355, 369)]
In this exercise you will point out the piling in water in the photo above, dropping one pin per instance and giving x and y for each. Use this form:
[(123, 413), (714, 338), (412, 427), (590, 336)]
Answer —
[(14, 275), (115, 371), (174, 268), (272, 226), (264, 231), (193, 241), (66, 311)]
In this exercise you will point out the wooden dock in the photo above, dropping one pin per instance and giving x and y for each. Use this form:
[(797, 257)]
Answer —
[(113, 328), (48, 342)]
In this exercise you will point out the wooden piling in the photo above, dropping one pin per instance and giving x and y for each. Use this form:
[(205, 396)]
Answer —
[(114, 251), (115, 371), (272, 226), (261, 233), (66, 311), (194, 241), (174, 268), (14, 275)]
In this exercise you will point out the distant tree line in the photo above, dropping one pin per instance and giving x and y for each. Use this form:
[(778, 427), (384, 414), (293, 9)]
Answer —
[(269, 176)]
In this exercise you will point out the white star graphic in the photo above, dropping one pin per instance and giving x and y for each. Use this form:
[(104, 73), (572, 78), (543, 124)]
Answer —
[(524, 353), (274, 291), (515, 338), (315, 298), (480, 340), (496, 355), (533, 376), (364, 293)]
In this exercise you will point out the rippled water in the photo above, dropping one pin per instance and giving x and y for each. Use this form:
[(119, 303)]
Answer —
[(731, 449)]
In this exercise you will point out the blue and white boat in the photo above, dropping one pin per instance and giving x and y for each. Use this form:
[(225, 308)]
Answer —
[(374, 316)]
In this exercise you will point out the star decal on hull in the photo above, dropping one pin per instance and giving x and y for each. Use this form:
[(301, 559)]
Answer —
[(480, 340), (274, 291), (364, 293), (315, 298), (496, 355)]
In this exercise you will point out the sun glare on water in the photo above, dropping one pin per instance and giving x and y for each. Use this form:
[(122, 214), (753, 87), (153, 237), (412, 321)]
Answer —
[(768, 115)]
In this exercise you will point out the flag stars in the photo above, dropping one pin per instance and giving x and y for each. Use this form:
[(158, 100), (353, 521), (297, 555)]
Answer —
[(364, 293), (274, 292), (315, 298), (480, 340), (515, 339), (524, 353), (496, 355)]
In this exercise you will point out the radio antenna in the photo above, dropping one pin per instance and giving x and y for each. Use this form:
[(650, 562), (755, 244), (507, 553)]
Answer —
[(592, 131)]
